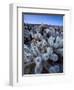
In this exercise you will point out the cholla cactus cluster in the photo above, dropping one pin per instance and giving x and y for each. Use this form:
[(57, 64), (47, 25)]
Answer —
[(43, 49)]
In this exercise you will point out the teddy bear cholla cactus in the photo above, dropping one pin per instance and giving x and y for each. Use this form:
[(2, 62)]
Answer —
[(54, 69), (42, 48)]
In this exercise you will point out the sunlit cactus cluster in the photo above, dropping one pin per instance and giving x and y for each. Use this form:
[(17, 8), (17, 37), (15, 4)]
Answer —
[(43, 49)]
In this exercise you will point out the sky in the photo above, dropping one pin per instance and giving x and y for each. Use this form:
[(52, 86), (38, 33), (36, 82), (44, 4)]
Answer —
[(43, 19)]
